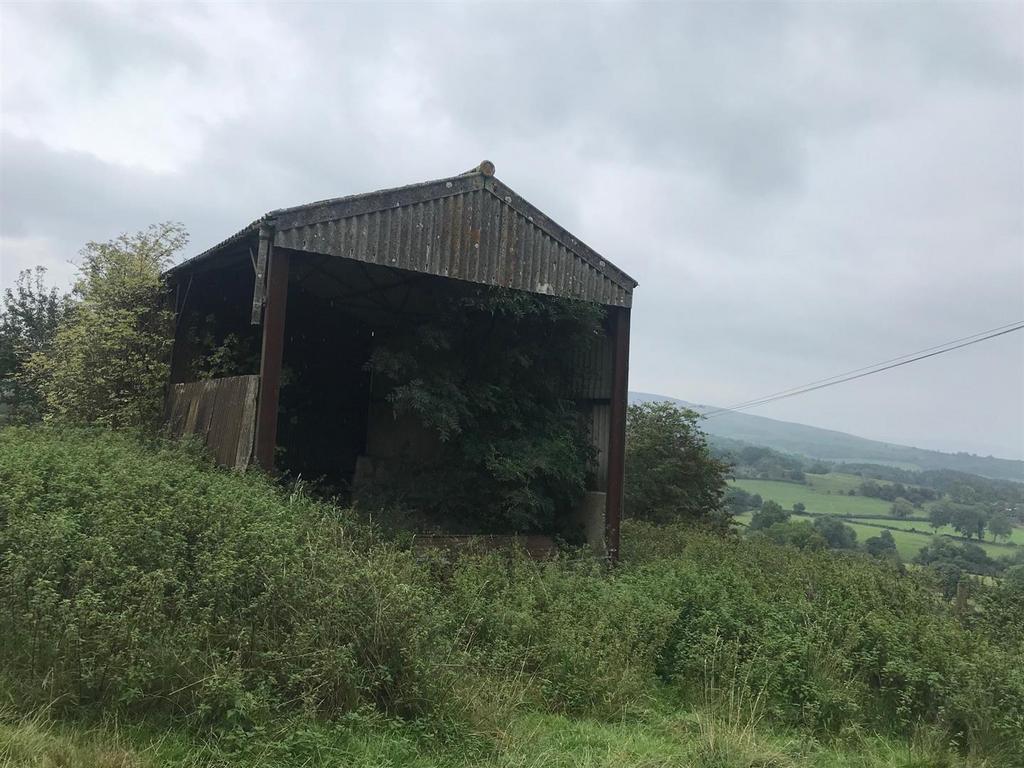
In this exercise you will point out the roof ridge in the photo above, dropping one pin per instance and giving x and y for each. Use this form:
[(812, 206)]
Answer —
[(479, 178)]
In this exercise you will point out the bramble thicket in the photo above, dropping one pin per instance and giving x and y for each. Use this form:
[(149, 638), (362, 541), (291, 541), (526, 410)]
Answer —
[(161, 609)]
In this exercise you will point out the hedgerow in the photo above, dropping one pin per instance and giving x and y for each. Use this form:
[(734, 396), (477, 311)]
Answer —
[(828, 640), (135, 577), (144, 579)]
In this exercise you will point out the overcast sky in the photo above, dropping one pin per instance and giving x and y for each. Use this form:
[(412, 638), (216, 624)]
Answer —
[(799, 189)]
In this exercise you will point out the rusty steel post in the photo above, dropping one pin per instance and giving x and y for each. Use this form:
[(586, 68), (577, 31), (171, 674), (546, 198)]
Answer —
[(617, 430), (271, 356), (260, 268)]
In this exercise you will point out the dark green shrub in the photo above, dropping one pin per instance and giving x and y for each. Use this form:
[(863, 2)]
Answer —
[(671, 473), (491, 375), (837, 534), (147, 579), (829, 640), (138, 578), (771, 513), (29, 316), (587, 639), (109, 359)]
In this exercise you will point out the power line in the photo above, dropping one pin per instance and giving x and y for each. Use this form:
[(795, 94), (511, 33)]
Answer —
[(748, 403), (859, 373)]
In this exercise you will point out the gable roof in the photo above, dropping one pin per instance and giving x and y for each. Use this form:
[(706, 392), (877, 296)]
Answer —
[(467, 227)]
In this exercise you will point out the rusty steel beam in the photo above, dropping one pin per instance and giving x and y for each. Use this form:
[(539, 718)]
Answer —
[(617, 430), (259, 267), (271, 356)]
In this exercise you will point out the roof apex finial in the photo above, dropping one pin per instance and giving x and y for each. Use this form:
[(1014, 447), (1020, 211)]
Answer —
[(486, 168)]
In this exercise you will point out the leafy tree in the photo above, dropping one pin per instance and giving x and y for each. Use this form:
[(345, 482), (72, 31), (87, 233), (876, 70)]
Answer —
[(968, 520), (738, 500), (1014, 577), (799, 508), (670, 472), (1000, 526), (756, 501), (948, 574), (962, 493), (108, 362), (28, 321), (940, 515), (881, 545), (967, 557), (871, 489), (489, 373), (796, 533), (902, 508), (837, 535), (770, 514), (766, 464)]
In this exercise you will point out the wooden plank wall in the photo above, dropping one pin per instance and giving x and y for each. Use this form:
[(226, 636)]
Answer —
[(221, 412)]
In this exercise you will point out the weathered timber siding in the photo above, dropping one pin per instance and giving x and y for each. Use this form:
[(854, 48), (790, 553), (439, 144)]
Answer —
[(592, 371), (600, 424), (472, 235), (221, 412)]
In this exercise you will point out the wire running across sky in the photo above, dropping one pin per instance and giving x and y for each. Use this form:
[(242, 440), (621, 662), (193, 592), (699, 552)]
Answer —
[(868, 370)]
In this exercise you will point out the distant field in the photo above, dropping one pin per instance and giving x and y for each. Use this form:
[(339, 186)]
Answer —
[(815, 496), (828, 495), (1017, 537), (837, 482), (908, 543)]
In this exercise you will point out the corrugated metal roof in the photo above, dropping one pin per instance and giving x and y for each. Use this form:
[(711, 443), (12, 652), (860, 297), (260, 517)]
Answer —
[(469, 227)]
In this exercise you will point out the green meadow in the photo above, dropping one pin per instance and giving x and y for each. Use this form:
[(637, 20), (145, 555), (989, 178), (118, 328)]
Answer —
[(908, 543), (829, 495), (1016, 537), (825, 494), (218, 619)]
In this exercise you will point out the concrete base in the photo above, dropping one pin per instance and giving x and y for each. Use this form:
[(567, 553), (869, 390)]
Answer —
[(589, 516)]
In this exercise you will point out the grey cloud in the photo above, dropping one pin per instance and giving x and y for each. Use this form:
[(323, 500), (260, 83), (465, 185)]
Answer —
[(800, 189)]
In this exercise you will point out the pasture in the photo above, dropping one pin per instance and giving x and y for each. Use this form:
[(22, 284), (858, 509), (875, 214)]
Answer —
[(1016, 537), (824, 494), (908, 542), (829, 495)]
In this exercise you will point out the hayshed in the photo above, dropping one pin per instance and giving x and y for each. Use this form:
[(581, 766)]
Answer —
[(307, 290)]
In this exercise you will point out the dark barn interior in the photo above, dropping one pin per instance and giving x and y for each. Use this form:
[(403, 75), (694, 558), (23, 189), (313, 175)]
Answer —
[(276, 325)]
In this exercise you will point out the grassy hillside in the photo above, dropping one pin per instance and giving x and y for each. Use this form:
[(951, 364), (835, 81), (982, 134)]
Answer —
[(156, 611), (828, 495), (815, 497), (690, 740), (907, 544), (1016, 537), (839, 446)]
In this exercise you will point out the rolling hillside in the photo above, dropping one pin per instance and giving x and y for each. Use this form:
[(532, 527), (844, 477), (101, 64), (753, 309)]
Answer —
[(839, 446), (827, 495)]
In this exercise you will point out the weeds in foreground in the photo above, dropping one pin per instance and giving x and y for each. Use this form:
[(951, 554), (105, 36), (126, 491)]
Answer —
[(137, 581), (730, 722), (32, 741)]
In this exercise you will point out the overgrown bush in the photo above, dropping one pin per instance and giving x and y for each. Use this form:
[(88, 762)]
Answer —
[(490, 373), (108, 362), (671, 474), (137, 578), (586, 641), (829, 640), (145, 579), (29, 316)]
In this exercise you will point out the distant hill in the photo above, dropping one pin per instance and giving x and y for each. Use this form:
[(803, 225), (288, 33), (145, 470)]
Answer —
[(839, 446)]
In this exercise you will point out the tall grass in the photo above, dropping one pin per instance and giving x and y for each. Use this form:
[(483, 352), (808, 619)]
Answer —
[(136, 579)]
